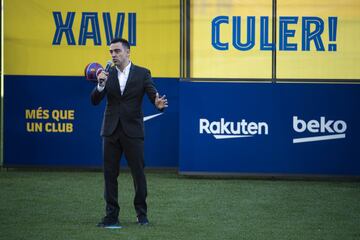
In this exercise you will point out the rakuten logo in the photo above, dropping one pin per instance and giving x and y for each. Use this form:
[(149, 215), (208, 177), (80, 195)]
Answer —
[(335, 129), (224, 130)]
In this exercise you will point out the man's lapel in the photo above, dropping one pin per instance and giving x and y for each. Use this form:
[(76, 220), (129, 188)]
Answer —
[(131, 73), (115, 83)]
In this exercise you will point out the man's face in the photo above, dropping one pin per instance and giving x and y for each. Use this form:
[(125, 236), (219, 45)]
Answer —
[(119, 54)]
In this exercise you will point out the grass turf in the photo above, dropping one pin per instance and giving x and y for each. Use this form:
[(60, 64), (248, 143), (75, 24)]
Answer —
[(67, 205)]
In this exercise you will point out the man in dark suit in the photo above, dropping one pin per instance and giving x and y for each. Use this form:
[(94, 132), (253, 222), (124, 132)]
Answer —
[(123, 128)]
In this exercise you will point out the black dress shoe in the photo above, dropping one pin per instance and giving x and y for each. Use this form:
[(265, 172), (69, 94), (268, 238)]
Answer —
[(109, 224), (142, 220)]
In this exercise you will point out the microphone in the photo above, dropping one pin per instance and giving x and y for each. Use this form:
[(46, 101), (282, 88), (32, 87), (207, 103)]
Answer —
[(107, 67), (106, 71)]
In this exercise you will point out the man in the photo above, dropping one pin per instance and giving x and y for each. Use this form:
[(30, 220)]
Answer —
[(123, 128)]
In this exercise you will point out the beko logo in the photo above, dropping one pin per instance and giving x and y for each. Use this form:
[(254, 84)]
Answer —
[(333, 129), (224, 130)]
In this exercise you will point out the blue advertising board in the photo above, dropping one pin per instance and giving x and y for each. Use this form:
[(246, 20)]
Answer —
[(50, 122), (264, 128)]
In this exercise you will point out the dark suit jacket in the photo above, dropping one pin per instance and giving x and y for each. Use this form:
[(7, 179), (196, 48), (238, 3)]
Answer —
[(126, 108)]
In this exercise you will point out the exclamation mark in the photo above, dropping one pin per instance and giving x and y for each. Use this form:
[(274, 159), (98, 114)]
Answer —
[(332, 33)]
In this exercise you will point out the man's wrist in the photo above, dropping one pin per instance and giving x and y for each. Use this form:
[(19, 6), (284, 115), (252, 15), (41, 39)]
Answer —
[(100, 87), (160, 108)]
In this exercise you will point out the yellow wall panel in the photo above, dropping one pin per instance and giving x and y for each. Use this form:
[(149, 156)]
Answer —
[(340, 64), (29, 29), (209, 62)]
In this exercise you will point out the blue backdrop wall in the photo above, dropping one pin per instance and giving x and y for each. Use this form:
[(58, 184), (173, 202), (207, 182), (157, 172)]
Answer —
[(49, 121), (264, 128)]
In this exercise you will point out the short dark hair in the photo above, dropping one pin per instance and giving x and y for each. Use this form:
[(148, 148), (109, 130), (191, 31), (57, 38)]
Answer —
[(124, 42)]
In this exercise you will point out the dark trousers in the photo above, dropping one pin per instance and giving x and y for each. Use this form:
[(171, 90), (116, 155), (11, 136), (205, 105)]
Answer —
[(133, 148)]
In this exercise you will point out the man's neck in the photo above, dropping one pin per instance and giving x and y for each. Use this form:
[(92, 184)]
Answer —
[(123, 66)]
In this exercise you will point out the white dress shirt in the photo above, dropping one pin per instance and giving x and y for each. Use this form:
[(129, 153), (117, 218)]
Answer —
[(122, 77)]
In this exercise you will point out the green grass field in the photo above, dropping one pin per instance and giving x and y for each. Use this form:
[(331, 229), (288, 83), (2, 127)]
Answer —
[(67, 205)]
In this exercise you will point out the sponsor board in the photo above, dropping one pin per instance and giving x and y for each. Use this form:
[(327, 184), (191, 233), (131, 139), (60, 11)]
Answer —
[(273, 129)]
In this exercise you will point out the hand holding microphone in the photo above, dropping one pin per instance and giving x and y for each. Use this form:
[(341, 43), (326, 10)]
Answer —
[(103, 75)]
